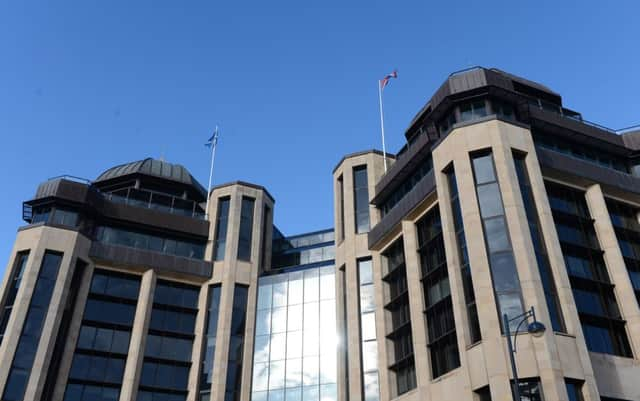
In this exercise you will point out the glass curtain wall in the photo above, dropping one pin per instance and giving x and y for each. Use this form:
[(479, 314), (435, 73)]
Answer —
[(295, 355), (103, 343)]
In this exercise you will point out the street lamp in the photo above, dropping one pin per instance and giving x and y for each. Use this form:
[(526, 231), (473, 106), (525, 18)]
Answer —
[(535, 328)]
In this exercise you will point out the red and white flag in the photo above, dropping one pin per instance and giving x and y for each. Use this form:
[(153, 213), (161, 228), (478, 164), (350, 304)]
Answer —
[(385, 81)]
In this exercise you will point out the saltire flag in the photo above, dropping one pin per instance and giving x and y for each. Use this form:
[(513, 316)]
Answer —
[(213, 140), (385, 81)]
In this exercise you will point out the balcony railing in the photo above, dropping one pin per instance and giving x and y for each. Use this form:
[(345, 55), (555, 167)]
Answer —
[(156, 201)]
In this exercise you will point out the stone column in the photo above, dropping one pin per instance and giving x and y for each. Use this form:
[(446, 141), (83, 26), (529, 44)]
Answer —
[(614, 260), (137, 345)]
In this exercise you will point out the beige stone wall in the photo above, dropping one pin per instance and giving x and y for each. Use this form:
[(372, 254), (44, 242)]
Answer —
[(348, 250), (38, 240), (228, 273), (554, 356)]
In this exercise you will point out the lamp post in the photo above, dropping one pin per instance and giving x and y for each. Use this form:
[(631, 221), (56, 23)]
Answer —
[(535, 328)]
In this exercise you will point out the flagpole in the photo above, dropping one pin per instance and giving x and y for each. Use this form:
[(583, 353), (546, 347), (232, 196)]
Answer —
[(213, 158), (384, 149)]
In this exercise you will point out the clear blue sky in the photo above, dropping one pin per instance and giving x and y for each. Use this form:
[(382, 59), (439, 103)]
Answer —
[(86, 85)]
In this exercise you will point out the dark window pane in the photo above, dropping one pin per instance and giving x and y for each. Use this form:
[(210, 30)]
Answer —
[(16, 385)]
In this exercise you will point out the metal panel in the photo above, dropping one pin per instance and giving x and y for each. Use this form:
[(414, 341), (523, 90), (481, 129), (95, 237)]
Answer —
[(142, 260)]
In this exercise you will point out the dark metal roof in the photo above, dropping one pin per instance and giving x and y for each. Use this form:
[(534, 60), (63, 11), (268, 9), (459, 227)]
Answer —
[(155, 168)]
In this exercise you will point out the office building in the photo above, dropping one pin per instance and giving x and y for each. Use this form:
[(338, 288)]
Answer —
[(503, 199)]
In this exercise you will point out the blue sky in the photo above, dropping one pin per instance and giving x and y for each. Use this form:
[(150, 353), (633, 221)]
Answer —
[(86, 85)]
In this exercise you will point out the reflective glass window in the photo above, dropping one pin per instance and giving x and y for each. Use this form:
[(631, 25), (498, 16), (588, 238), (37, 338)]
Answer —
[(361, 198), (246, 228), (504, 272)]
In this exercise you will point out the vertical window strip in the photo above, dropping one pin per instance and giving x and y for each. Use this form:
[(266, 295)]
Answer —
[(603, 327), (222, 222), (236, 341), (574, 390), (169, 344), (625, 224), (463, 256), (361, 199), (246, 228), (441, 329), (369, 353), (266, 217), (403, 363), (206, 376), (504, 273), (103, 343), (12, 290), (539, 247), (22, 364), (341, 206)]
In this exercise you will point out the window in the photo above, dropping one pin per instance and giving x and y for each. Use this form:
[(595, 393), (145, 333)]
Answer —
[(222, 222), (64, 217), (473, 110), (341, 206), (206, 376), (539, 247), (103, 342), (266, 218), (368, 335), (504, 273), (502, 109), (574, 390), (483, 394), (132, 239), (167, 355), (40, 214), (625, 224), (14, 285), (577, 150), (443, 345), (465, 265), (397, 306), (296, 348), (32, 329), (246, 228), (530, 389), (409, 183), (602, 325), (236, 343), (361, 198)]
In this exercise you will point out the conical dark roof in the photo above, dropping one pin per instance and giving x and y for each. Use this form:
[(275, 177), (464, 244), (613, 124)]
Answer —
[(155, 168)]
